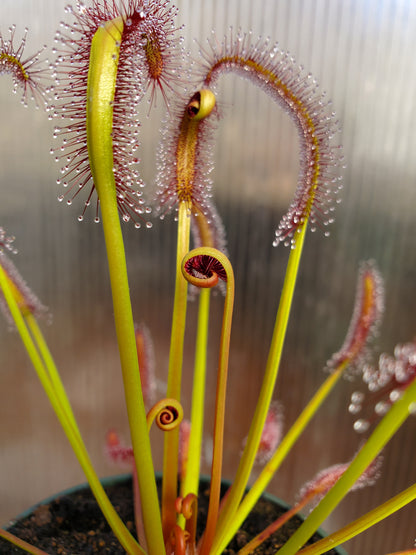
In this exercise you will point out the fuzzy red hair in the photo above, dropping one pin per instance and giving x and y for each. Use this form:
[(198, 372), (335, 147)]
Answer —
[(276, 72), (28, 73), (148, 56)]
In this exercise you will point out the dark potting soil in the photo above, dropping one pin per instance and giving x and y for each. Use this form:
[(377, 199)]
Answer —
[(74, 525)]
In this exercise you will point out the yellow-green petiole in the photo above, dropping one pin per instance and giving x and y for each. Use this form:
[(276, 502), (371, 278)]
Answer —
[(102, 79), (199, 107)]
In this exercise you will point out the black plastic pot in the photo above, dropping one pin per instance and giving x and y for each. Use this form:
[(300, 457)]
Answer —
[(71, 521)]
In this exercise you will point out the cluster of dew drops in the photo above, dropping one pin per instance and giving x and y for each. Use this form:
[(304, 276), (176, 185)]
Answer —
[(389, 381), (6, 242)]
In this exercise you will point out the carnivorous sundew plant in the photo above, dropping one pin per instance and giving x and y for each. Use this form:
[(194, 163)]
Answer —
[(108, 56)]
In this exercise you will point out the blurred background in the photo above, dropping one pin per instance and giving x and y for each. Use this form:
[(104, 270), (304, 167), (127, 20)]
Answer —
[(362, 54)]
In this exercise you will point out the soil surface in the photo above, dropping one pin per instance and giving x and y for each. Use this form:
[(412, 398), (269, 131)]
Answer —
[(74, 525)]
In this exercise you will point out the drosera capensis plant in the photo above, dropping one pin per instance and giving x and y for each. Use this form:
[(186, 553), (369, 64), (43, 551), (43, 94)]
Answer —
[(108, 56)]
